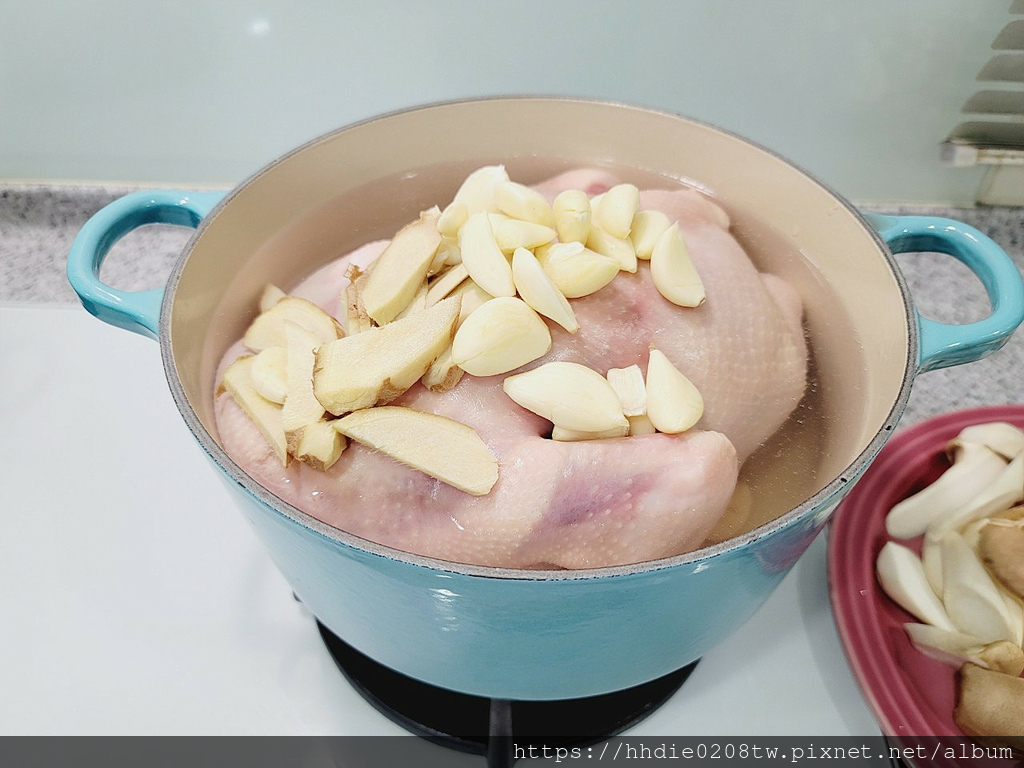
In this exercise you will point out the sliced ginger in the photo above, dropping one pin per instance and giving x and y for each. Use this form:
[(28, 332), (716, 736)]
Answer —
[(357, 319), (267, 330), (1001, 548), (442, 448), (301, 408), (376, 366), (990, 707), (402, 268), (320, 445)]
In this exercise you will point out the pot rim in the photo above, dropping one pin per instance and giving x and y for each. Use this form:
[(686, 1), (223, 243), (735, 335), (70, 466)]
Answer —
[(836, 488)]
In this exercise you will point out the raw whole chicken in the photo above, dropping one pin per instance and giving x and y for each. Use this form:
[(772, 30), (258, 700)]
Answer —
[(576, 504)]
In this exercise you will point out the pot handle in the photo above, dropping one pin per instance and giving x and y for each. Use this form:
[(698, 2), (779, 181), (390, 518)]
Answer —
[(137, 311), (942, 344)]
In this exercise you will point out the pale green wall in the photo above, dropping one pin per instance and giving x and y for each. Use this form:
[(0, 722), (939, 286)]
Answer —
[(859, 92)]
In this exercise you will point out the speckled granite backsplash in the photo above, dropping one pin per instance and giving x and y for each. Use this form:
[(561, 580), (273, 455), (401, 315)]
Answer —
[(38, 223), (37, 226)]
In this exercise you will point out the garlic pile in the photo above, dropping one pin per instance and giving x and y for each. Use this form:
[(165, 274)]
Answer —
[(968, 584), (462, 291)]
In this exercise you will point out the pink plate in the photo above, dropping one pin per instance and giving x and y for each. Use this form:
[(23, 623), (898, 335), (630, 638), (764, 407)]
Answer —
[(911, 695)]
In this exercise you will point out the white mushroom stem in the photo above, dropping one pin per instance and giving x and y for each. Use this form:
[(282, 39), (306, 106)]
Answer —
[(955, 648), (931, 560), (1001, 493), (974, 470), (902, 577), (972, 600), (1005, 439)]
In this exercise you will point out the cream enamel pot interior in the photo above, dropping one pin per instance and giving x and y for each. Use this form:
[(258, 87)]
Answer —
[(544, 634)]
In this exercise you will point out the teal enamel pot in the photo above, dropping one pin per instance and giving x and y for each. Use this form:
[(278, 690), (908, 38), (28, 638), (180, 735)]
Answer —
[(535, 635)]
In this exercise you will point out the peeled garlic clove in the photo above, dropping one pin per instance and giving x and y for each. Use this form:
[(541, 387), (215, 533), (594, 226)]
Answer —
[(618, 206), (569, 395), (449, 252), (564, 435), (673, 272), (510, 234), (445, 283), (975, 468), (673, 402), (269, 374), (1005, 439), (452, 218), (537, 290), (442, 448), (618, 249), (270, 296), (520, 202), (972, 600), (500, 336), (473, 297), (446, 256), (629, 385), (1005, 490), (477, 191), (576, 270), (902, 578), (955, 648), (572, 216), (443, 374), (483, 258), (648, 227)]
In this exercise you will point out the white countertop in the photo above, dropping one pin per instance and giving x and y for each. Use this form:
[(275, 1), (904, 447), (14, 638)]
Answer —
[(137, 601)]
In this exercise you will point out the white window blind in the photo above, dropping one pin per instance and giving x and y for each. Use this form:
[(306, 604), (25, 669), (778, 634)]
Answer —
[(992, 131)]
